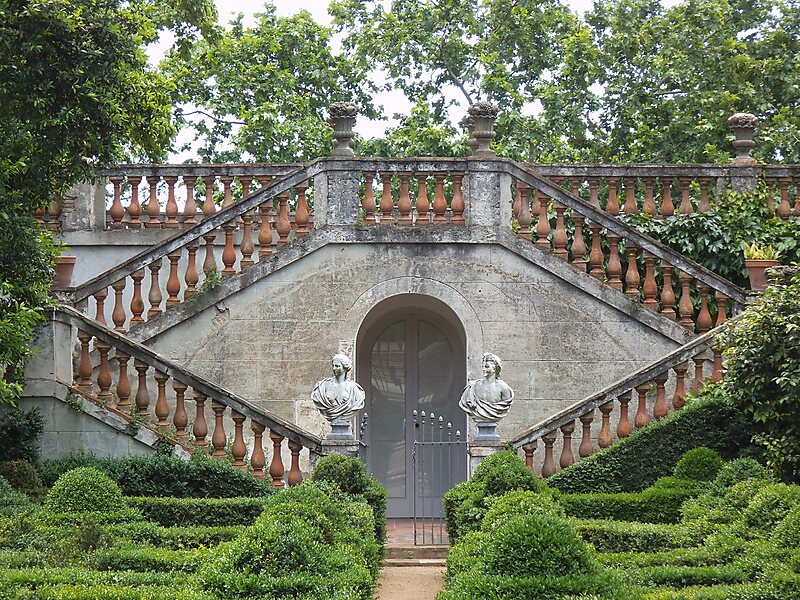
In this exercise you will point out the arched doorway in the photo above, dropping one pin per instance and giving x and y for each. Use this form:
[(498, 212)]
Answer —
[(410, 355)]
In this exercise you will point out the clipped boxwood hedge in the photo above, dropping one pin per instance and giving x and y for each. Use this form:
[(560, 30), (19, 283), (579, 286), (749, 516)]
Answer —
[(210, 512), (634, 463), (619, 536), (158, 560), (173, 538), (653, 505)]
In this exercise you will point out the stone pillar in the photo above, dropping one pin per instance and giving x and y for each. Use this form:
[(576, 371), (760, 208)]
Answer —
[(487, 196), (54, 341), (478, 450), (743, 170), (84, 207), (344, 447)]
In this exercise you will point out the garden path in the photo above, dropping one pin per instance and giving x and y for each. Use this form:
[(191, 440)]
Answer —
[(410, 583)]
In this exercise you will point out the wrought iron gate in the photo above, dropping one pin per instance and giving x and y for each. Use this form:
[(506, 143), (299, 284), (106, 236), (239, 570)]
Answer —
[(438, 457)]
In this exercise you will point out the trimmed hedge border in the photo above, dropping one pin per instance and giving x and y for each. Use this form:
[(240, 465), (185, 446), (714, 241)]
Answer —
[(211, 512), (634, 463), (620, 536), (158, 560), (173, 538), (650, 506)]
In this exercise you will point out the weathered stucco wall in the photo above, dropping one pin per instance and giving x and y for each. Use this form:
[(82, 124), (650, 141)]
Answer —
[(271, 341)]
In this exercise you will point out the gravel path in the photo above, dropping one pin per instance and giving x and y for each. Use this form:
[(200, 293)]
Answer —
[(410, 583)]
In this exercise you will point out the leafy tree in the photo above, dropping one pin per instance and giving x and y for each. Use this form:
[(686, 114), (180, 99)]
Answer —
[(77, 93), (264, 91)]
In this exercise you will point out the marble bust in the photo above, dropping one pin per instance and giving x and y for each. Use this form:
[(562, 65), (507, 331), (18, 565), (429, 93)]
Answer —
[(490, 398), (338, 397)]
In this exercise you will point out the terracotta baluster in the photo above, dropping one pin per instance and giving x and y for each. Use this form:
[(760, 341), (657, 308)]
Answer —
[(630, 208), (632, 277), (265, 232), (784, 208), (560, 238), (650, 287), (218, 438), (529, 449), (439, 202), (704, 205), (703, 316), (699, 378), (686, 199), (422, 203), (257, 458), (593, 200), (667, 206), (246, 247), (162, 408), (295, 476), (567, 457), (191, 277), (227, 196), (667, 293), (549, 464), (153, 208), (596, 254), (524, 213), (517, 206), (173, 282), (301, 214), (171, 209), (134, 208), (604, 440), (84, 364), (624, 427), (190, 208), (137, 304), (245, 181), (717, 371), (118, 314), (180, 419), (660, 409), (209, 207), (614, 266), (542, 223), (104, 374), (228, 251), (457, 203), (100, 305), (142, 397), (238, 448), (575, 186), (387, 202), (368, 203), (772, 185), (200, 428), (679, 397), (642, 418), (283, 226), (123, 383), (585, 449), (722, 308), (404, 206), (649, 207), (54, 215), (578, 243), (116, 212), (209, 262), (685, 306), (154, 296), (276, 468), (797, 194), (612, 206)]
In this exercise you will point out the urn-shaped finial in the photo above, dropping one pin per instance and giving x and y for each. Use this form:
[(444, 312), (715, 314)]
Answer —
[(482, 116), (743, 126), (342, 118)]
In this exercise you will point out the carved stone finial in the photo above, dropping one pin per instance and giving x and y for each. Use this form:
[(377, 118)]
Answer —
[(489, 399), (342, 118), (338, 398), (743, 126), (482, 116)]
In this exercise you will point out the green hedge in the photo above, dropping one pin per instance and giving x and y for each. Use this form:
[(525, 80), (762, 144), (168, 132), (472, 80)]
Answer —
[(617, 536), (159, 475), (682, 576), (174, 538), (634, 463), (51, 576), (474, 585), (653, 505), (150, 559), (677, 557), (211, 512), (110, 592)]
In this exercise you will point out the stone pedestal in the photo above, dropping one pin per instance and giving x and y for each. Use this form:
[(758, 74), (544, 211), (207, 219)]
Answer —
[(340, 431), (478, 450), (487, 432), (344, 447)]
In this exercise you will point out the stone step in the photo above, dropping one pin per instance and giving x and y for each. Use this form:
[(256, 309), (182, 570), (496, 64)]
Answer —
[(414, 562), (412, 553)]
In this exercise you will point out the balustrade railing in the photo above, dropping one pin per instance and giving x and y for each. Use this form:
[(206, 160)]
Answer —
[(594, 241), (653, 392), (164, 392), (784, 182)]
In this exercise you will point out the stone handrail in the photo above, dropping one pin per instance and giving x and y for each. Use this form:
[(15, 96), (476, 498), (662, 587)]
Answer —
[(223, 402), (671, 370)]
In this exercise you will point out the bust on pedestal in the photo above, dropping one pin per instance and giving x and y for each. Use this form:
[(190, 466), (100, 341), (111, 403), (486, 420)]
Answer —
[(338, 398), (487, 400)]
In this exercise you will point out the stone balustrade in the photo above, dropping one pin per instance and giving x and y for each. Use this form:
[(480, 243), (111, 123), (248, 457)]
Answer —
[(650, 393), (137, 383)]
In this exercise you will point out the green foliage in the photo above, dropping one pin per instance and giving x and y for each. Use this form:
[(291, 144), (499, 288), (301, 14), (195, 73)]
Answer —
[(23, 477), (158, 475), (520, 502), (351, 475), (770, 505), (619, 536), (84, 489), (762, 349), (20, 431), (679, 576), (653, 505), (211, 512), (173, 538), (158, 560), (699, 464), (736, 471), (650, 453)]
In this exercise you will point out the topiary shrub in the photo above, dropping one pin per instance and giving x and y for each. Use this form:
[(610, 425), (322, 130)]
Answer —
[(699, 464), (23, 477), (519, 502), (787, 533), (770, 505), (736, 471), (85, 489), (351, 475)]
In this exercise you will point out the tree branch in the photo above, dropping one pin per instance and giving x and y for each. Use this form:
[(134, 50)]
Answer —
[(212, 117)]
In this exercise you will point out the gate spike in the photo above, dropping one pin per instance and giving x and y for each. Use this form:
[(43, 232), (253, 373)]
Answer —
[(458, 434)]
